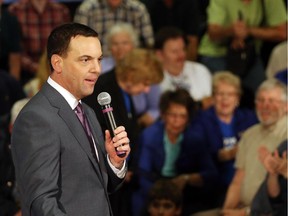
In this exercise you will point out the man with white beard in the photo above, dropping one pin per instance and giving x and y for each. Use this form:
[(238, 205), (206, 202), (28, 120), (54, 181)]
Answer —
[(271, 108)]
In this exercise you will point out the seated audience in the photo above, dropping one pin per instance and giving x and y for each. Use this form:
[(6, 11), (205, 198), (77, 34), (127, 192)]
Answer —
[(271, 109), (271, 198), (10, 47), (9, 198), (183, 14), (237, 24), (179, 72), (134, 74), (164, 198), (222, 125), (169, 149), (121, 39)]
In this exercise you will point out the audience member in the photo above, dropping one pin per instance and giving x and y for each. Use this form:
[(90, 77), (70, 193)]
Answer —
[(178, 72), (37, 19), (168, 149), (278, 60), (222, 125), (271, 109), (10, 47), (10, 205), (102, 14), (121, 39), (10, 92), (282, 76), (43, 71), (164, 198), (239, 21), (132, 75), (183, 14), (271, 198)]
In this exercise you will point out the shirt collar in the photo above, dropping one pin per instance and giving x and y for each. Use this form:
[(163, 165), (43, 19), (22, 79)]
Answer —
[(71, 100)]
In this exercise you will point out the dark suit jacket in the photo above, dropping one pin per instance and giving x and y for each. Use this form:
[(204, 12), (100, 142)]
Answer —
[(56, 171)]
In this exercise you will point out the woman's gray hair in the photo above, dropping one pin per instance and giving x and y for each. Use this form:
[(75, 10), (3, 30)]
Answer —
[(122, 27), (272, 83)]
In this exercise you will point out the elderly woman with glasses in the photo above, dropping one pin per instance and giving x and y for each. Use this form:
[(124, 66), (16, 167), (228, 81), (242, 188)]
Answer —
[(220, 127), (170, 149)]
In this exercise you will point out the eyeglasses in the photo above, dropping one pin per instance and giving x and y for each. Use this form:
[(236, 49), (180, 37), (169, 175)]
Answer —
[(269, 101), (228, 94)]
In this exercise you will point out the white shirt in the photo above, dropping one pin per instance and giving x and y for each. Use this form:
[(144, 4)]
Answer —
[(73, 102), (195, 78)]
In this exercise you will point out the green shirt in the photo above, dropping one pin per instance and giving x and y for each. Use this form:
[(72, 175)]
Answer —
[(225, 12)]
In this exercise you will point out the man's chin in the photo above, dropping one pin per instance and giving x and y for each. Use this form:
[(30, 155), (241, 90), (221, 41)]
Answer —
[(268, 122)]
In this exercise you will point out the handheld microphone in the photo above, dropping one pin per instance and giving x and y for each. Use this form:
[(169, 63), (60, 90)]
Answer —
[(104, 99)]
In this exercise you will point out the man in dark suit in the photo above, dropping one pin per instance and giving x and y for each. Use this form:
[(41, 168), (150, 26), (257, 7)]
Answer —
[(62, 167)]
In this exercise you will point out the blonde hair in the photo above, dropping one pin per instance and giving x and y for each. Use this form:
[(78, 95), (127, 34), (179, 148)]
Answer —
[(43, 71), (140, 66), (228, 78)]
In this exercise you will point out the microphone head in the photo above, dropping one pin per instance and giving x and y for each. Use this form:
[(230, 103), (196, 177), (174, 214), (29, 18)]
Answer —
[(104, 98)]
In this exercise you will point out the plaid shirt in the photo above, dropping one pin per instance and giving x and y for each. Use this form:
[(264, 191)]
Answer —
[(36, 27), (98, 15)]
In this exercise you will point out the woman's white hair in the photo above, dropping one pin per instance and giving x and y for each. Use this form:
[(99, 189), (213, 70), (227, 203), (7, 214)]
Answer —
[(122, 27)]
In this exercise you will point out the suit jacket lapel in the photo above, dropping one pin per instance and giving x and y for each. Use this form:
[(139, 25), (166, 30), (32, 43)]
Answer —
[(72, 122)]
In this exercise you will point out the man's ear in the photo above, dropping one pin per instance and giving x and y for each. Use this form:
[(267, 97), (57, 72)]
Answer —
[(56, 62)]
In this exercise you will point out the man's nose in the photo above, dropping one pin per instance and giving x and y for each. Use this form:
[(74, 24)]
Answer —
[(96, 66)]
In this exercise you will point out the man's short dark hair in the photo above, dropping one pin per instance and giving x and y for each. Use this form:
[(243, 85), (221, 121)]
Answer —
[(167, 190), (59, 39), (178, 96), (167, 33)]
